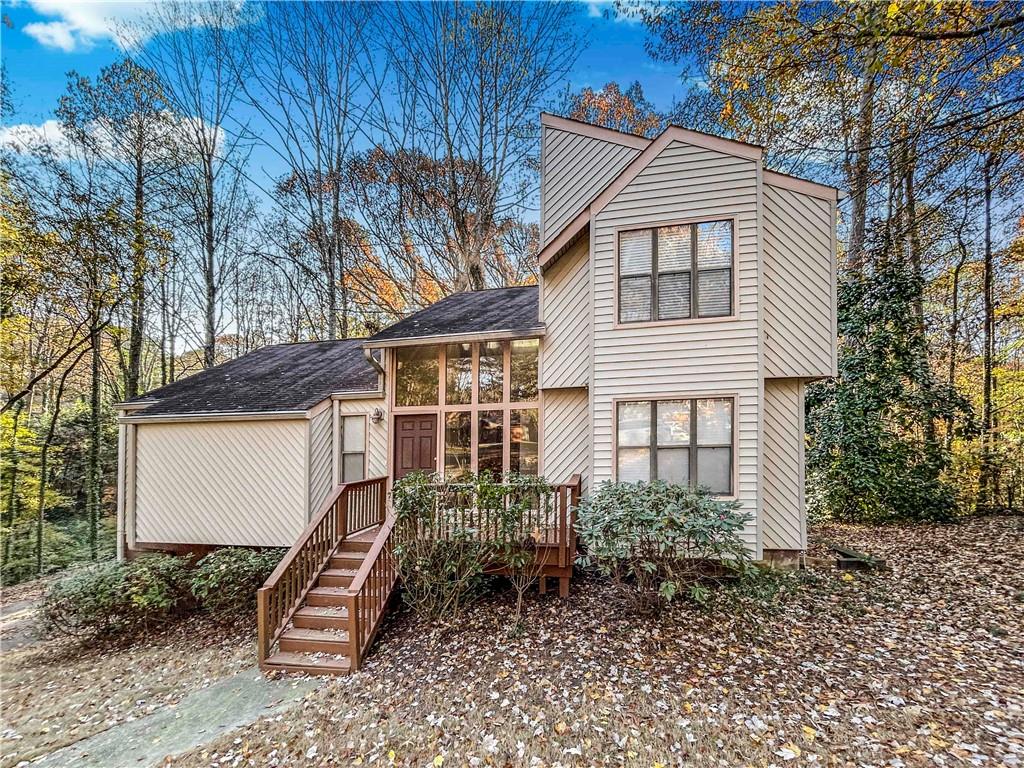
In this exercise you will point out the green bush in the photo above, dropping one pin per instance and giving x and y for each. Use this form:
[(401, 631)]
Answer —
[(116, 598), (441, 551), (113, 598), (658, 542), (225, 581), (440, 562)]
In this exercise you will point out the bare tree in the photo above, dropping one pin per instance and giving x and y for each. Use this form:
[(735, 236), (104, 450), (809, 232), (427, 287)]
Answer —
[(190, 46), (302, 74), (462, 87), (123, 115)]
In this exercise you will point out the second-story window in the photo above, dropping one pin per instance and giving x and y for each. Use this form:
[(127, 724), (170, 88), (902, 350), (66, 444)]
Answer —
[(676, 272)]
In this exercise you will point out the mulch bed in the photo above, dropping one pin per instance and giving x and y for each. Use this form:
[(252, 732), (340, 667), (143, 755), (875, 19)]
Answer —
[(920, 664)]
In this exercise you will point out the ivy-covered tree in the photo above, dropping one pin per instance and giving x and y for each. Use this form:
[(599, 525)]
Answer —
[(870, 456)]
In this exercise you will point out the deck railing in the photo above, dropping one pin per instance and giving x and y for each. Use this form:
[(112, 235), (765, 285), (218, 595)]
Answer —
[(350, 508), (369, 592), (505, 512)]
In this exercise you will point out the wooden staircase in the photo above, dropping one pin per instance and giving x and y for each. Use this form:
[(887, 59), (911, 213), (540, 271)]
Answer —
[(323, 604)]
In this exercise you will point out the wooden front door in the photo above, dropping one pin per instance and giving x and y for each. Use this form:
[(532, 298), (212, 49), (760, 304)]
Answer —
[(415, 444)]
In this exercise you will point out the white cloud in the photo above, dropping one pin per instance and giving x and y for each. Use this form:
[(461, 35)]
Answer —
[(25, 137), (605, 9), (79, 25)]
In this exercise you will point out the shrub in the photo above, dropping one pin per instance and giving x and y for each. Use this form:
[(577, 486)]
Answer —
[(113, 598), (658, 541), (439, 559), (441, 548), (226, 580)]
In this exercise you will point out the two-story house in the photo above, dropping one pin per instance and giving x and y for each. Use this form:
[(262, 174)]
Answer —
[(685, 296)]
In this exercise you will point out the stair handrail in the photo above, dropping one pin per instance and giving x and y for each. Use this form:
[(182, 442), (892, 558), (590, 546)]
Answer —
[(369, 592), (279, 598)]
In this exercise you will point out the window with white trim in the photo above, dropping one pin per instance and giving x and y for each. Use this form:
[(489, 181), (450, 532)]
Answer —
[(353, 448), (684, 442), (676, 272)]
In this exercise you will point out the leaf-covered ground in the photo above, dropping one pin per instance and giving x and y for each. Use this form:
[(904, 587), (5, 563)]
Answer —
[(57, 692), (919, 665)]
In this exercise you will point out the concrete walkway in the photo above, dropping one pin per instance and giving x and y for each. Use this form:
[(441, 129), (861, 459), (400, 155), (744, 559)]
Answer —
[(197, 719)]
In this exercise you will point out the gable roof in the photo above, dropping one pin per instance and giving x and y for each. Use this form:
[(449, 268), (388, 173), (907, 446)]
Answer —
[(492, 313), (579, 224), (275, 378)]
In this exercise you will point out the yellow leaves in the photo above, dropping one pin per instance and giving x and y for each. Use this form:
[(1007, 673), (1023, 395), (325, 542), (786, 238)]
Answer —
[(438, 761), (561, 727), (809, 733), (847, 576), (937, 743), (892, 10), (391, 755)]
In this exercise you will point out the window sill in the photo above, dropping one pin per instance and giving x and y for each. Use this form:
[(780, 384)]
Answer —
[(617, 325)]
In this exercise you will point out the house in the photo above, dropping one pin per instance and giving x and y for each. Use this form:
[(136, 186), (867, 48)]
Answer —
[(686, 296)]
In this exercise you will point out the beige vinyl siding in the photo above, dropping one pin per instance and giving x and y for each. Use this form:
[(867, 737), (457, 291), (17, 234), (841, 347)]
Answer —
[(376, 434), (576, 169), (566, 430), (799, 285), (687, 358), (229, 483), (565, 306), (321, 459), (783, 524)]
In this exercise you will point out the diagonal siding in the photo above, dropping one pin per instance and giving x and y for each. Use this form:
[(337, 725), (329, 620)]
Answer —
[(576, 169), (681, 359), (565, 353), (783, 522), (798, 284), (566, 434), (321, 459), (227, 483)]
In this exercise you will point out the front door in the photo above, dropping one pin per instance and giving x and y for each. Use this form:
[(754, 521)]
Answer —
[(415, 444)]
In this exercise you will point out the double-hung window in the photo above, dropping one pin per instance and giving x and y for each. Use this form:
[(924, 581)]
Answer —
[(676, 272), (684, 442), (353, 448)]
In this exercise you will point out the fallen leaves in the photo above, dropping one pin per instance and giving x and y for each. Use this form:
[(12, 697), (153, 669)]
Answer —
[(919, 665)]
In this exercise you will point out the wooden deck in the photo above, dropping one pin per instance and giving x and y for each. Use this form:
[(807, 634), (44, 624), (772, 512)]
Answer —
[(319, 611)]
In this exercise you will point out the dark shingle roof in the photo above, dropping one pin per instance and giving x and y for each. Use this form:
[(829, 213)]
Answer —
[(512, 310), (280, 377)]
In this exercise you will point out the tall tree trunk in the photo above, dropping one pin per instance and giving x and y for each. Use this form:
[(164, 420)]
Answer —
[(986, 480), (11, 505), (861, 171), (93, 478), (138, 288), (209, 270), (44, 455)]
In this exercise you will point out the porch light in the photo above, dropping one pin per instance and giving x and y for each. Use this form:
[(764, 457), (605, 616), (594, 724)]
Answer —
[(377, 416)]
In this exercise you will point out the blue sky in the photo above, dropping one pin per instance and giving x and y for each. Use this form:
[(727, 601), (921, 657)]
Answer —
[(48, 38)]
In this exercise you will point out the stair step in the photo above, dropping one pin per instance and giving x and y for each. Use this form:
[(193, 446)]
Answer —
[(326, 596), (337, 577), (314, 640), (350, 560), (320, 617), (354, 545), (314, 664)]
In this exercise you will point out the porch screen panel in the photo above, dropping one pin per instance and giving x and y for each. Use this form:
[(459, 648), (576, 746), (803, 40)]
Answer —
[(458, 456), (416, 377), (524, 438), (492, 365), (490, 442), (458, 374)]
